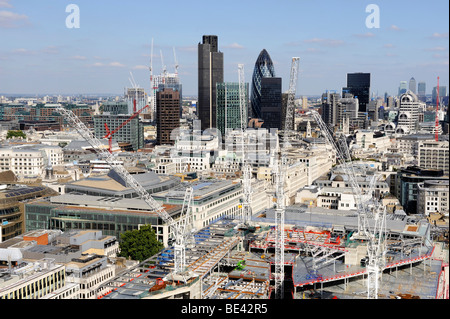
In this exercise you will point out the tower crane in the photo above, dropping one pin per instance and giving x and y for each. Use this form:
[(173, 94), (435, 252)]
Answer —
[(343, 156), (367, 207), (280, 168), (176, 229), (246, 168)]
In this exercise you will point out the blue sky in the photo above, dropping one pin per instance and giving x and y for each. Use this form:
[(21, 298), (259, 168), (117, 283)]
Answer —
[(40, 55)]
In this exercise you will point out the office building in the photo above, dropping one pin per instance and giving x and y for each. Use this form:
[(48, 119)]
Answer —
[(335, 109), (421, 90), (228, 116), (270, 103), (210, 72), (12, 214), (407, 181), (408, 115), (433, 197), (167, 115), (263, 69), (434, 155), (412, 85), (130, 134), (442, 93), (402, 88), (358, 84)]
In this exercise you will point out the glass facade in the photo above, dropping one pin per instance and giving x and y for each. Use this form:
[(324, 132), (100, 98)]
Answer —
[(228, 114), (263, 69)]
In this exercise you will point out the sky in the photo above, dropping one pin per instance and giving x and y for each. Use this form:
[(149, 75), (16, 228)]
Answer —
[(39, 54)]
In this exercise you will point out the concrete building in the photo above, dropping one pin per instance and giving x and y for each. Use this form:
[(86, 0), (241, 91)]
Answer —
[(131, 133), (167, 115), (212, 199), (12, 212), (433, 197), (228, 114), (408, 113), (50, 264), (29, 160), (434, 155)]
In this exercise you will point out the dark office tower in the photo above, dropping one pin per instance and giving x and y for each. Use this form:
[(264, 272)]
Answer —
[(421, 91), (270, 102), (210, 72), (263, 69), (167, 114), (358, 84)]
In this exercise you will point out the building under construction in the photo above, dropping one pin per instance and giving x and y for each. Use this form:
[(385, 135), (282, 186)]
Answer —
[(322, 259)]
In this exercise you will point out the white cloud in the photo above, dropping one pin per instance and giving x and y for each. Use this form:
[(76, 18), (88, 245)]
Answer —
[(234, 46), (10, 19), (325, 42), (365, 35), (436, 49), (140, 67), (393, 27), (437, 35), (116, 64), (5, 4), (388, 45)]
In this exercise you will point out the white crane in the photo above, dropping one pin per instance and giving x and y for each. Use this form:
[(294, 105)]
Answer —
[(367, 206), (176, 229), (176, 61), (246, 168), (280, 167)]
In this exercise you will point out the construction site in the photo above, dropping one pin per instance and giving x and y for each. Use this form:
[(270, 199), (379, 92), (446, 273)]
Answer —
[(283, 253)]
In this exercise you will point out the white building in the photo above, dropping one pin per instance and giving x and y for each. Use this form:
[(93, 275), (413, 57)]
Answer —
[(30, 160), (408, 116), (434, 155), (433, 197)]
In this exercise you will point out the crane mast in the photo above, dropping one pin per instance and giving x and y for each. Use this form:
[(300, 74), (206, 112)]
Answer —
[(280, 168), (176, 229), (246, 168), (367, 207)]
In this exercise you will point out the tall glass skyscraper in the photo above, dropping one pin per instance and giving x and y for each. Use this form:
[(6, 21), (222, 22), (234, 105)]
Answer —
[(263, 69), (228, 115), (358, 84)]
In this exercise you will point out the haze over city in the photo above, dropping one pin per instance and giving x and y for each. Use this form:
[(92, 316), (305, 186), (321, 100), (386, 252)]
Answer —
[(40, 55)]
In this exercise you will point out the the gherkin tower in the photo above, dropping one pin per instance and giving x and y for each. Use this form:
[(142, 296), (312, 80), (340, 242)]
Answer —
[(263, 69)]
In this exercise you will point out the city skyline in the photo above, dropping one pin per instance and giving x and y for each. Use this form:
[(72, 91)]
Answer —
[(40, 55)]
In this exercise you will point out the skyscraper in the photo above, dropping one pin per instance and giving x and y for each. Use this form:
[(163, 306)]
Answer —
[(263, 69), (228, 115), (210, 72), (167, 114), (270, 102), (421, 89), (412, 85), (402, 88), (358, 84)]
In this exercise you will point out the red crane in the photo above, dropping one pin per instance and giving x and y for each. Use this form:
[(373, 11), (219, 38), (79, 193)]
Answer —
[(110, 133), (436, 137)]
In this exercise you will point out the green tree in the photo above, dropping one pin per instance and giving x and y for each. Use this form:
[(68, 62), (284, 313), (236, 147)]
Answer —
[(139, 244), (13, 134)]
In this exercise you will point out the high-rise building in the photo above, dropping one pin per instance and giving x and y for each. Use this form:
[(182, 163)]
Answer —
[(358, 84), (442, 93), (402, 88), (131, 133), (335, 108), (412, 85), (421, 91), (263, 69), (271, 103), (228, 115), (167, 114), (210, 72), (408, 116)]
